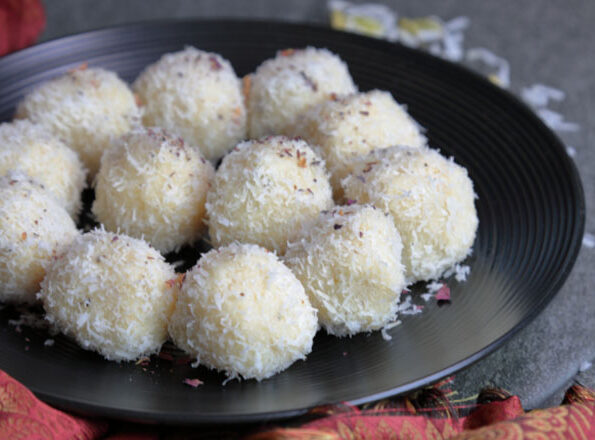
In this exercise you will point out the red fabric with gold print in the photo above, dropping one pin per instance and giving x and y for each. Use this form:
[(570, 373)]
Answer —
[(496, 420), (24, 417), (21, 22)]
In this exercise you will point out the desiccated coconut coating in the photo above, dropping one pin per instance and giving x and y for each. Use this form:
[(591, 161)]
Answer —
[(349, 262), (86, 108), (242, 311), (111, 293), (34, 228), (431, 200), (264, 191), (32, 149), (197, 95), (152, 185), (287, 85), (348, 127)]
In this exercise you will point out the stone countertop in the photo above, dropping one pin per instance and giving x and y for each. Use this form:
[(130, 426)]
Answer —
[(546, 42)]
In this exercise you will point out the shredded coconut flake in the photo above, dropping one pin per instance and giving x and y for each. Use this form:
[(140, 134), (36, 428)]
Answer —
[(29, 318), (461, 272), (408, 308), (385, 329), (585, 366), (427, 296), (539, 95), (556, 121)]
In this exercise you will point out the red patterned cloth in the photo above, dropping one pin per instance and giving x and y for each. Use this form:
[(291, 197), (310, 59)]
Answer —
[(423, 416), (21, 22), (23, 416), (500, 419)]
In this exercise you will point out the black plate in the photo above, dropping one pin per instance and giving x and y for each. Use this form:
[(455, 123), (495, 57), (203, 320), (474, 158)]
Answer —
[(531, 210)]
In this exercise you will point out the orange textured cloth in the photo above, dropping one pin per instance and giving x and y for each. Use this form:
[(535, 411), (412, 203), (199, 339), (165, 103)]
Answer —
[(21, 22)]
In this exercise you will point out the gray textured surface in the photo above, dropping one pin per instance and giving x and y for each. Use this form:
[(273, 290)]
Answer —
[(546, 42)]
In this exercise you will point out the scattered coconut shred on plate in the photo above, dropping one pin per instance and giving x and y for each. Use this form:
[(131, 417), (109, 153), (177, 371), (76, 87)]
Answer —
[(31, 318), (538, 96)]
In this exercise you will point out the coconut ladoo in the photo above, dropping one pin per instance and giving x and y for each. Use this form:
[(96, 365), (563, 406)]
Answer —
[(241, 311), (349, 262), (283, 87), (345, 128), (112, 294), (86, 108), (33, 150), (265, 190), (431, 200), (153, 185), (197, 95), (34, 230)]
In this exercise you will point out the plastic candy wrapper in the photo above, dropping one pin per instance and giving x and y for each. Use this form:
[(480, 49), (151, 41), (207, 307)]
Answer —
[(371, 19), (446, 40), (441, 38)]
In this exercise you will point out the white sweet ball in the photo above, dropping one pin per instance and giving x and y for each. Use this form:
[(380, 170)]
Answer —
[(431, 200), (349, 262), (86, 108), (32, 149), (348, 127), (287, 85), (242, 311), (152, 185), (112, 294), (265, 190), (34, 229), (197, 95)]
